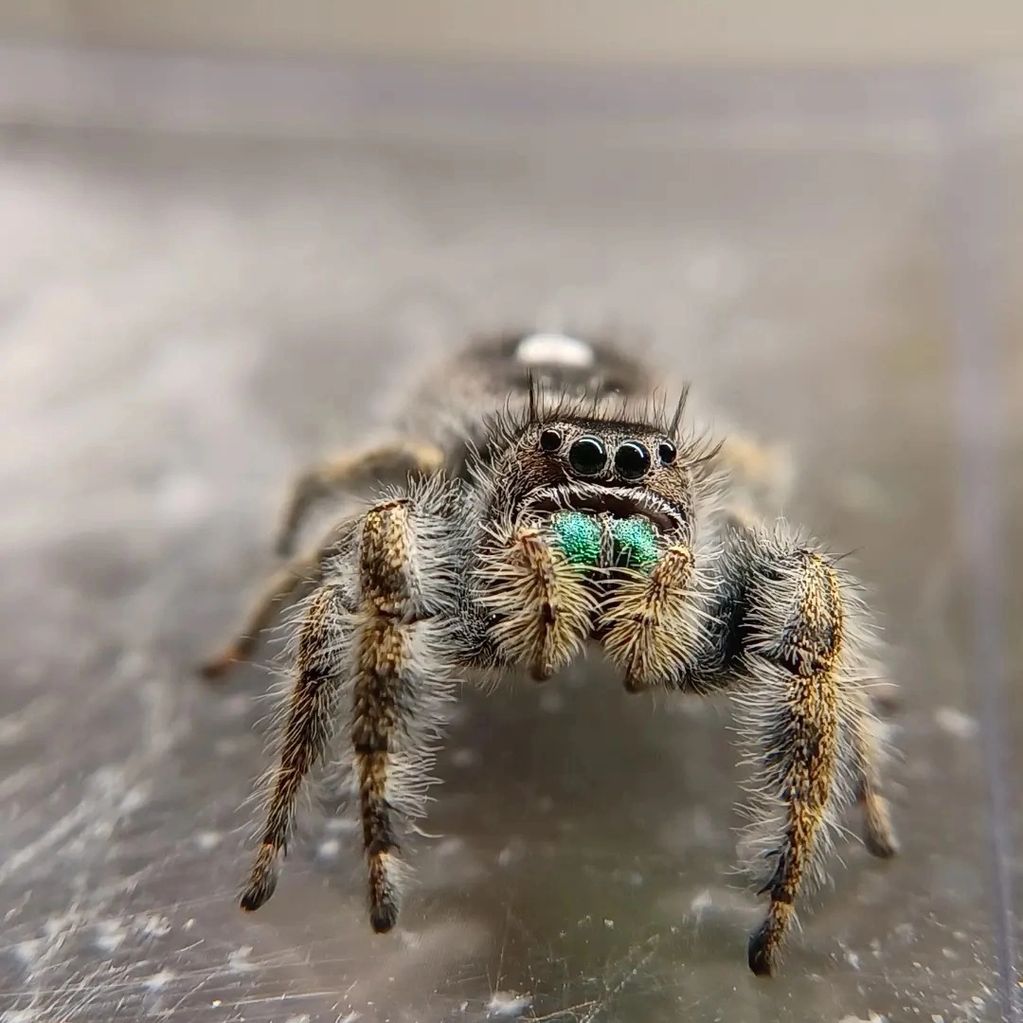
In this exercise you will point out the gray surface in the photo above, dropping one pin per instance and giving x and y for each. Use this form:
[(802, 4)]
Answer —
[(186, 319)]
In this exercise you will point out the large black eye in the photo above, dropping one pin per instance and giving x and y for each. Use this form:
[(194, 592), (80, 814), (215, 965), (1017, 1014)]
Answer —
[(587, 456), (666, 451), (632, 460), (550, 440)]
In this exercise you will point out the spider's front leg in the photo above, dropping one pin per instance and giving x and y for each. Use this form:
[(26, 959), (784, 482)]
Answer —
[(789, 628), (385, 638)]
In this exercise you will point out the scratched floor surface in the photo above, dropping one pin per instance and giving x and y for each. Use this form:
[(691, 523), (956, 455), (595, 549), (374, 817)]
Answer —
[(191, 308)]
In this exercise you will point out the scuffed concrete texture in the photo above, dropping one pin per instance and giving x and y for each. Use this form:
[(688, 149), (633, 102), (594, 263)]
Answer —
[(186, 320)]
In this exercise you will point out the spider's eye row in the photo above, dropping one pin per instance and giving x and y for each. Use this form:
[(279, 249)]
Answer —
[(587, 456), (632, 460), (667, 452), (550, 440)]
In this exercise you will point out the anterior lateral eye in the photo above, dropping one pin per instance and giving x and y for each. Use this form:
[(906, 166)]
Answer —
[(667, 452), (550, 440)]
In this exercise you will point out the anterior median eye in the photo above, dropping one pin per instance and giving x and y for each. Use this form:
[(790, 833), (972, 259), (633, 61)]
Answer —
[(587, 456), (632, 460)]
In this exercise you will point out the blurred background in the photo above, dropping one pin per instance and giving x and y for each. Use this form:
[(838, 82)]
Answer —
[(232, 232)]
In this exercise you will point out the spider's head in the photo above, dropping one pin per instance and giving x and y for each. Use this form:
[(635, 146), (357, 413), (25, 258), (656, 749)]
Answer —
[(623, 475)]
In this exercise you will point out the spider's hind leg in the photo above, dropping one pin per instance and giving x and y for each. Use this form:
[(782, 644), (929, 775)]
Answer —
[(299, 574), (805, 715)]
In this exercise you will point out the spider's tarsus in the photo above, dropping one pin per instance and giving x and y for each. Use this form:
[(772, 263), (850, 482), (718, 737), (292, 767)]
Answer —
[(882, 844), (883, 847), (383, 917), (760, 954), (262, 881), (220, 664)]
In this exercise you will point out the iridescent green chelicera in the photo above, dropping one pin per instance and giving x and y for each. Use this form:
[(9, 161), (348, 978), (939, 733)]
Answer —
[(578, 537), (635, 542)]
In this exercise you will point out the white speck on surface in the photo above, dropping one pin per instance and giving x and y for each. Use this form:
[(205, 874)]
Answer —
[(340, 825), (154, 925), (235, 706), (452, 845), (555, 349), (28, 951), (609, 923), (19, 1016), (508, 1004), (207, 840), (181, 498), (328, 849), (463, 758), (158, 981), (954, 722), (853, 960), (510, 853), (110, 934), (700, 902), (350, 1018), (238, 960)]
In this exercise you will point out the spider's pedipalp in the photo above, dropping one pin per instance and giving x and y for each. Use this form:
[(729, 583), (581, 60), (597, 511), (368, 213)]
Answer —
[(650, 624), (541, 604)]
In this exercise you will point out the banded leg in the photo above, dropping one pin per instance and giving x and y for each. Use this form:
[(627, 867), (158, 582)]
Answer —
[(320, 666), (297, 574), (542, 605), (398, 685), (792, 635), (349, 471), (650, 625)]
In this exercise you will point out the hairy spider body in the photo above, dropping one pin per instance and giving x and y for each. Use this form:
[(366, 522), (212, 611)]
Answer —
[(577, 513)]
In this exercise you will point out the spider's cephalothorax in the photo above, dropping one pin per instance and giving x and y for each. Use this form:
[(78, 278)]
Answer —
[(576, 512)]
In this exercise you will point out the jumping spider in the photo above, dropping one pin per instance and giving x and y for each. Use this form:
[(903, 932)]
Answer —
[(574, 513)]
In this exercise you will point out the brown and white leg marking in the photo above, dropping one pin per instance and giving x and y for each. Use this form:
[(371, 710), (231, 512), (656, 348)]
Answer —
[(384, 644), (320, 669), (400, 684), (542, 605), (802, 695), (650, 624)]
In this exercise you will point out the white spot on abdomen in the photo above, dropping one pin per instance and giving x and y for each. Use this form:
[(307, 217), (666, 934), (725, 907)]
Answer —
[(555, 350)]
